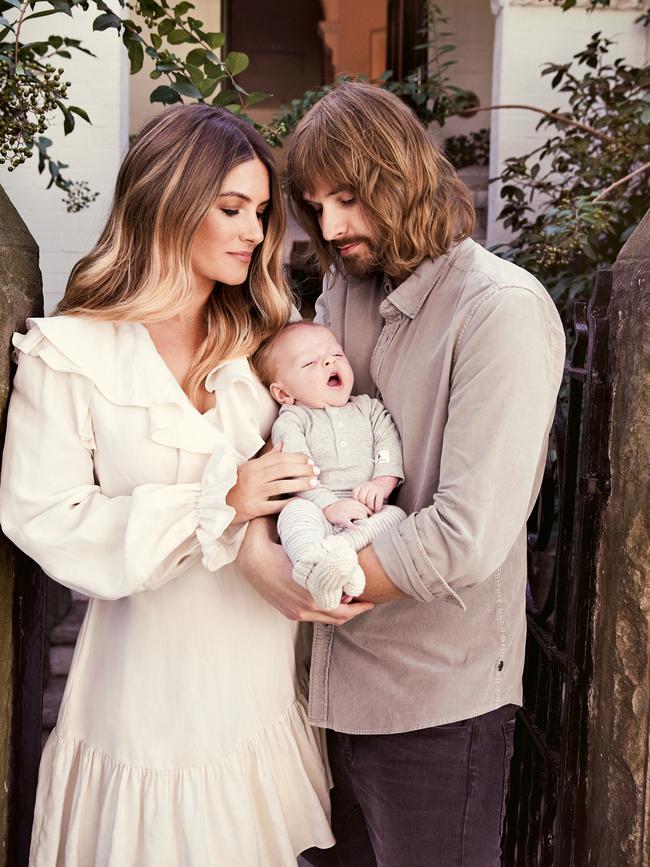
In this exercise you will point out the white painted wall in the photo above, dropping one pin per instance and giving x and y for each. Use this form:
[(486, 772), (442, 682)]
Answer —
[(472, 25), (526, 37), (99, 85)]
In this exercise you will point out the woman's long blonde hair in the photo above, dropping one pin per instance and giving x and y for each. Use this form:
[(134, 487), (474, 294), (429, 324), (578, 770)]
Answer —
[(139, 270), (365, 140)]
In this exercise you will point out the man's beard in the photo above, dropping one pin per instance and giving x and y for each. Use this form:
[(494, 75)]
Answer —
[(363, 264)]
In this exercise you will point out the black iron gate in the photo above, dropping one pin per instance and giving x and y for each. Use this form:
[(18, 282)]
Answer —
[(545, 816)]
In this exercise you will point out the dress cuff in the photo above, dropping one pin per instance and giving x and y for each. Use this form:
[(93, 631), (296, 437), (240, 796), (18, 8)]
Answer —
[(409, 567), (219, 541)]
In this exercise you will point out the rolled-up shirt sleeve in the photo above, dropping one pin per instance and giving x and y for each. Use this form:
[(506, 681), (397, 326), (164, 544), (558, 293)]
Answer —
[(505, 377), (103, 546)]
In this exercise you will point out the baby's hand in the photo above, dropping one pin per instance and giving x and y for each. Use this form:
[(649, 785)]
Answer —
[(343, 512), (371, 494)]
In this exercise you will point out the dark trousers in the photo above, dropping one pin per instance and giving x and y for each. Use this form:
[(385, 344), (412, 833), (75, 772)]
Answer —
[(428, 798)]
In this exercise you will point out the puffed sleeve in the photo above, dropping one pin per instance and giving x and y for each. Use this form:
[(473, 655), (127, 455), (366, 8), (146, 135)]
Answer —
[(107, 547)]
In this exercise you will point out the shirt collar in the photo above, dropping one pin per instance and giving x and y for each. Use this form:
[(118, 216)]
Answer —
[(411, 294)]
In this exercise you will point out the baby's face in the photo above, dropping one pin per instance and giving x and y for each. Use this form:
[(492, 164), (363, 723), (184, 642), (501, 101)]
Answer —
[(310, 368)]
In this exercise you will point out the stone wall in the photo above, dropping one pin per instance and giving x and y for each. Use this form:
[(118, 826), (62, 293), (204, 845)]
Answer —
[(20, 296), (618, 817)]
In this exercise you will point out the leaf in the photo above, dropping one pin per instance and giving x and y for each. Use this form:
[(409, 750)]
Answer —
[(136, 54), (187, 89), (156, 41), (224, 97), (164, 94), (176, 37), (236, 62), (108, 19), (214, 70), (207, 87), (182, 8), (166, 26), (195, 74), (68, 122), (82, 114), (15, 3), (196, 57), (215, 40), (256, 96), (41, 14), (62, 6), (557, 78)]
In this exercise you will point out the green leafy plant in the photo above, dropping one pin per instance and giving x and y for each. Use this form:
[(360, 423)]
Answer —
[(572, 202), (472, 149), (31, 85)]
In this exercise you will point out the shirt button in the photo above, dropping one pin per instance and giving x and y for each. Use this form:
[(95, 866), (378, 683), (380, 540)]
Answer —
[(339, 424), (343, 443)]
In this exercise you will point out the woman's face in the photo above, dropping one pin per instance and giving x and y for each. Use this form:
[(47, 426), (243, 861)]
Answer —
[(224, 242)]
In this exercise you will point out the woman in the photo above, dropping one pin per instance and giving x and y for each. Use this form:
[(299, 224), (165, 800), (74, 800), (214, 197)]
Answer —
[(129, 475)]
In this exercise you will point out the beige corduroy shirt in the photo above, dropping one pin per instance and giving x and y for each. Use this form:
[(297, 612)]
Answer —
[(467, 356)]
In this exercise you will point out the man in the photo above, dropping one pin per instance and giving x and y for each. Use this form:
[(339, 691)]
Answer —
[(466, 351)]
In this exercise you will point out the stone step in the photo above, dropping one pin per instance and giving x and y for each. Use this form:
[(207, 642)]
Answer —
[(67, 631), (60, 659), (52, 701)]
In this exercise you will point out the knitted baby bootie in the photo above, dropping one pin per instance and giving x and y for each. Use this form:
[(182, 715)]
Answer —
[(327, 569)]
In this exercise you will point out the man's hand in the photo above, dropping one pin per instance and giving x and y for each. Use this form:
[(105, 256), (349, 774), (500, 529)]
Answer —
[(343, 512), (267, 569), (374, 493)]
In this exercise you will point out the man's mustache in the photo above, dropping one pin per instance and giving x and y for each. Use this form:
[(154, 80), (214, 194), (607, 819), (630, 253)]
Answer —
[(357, 239)]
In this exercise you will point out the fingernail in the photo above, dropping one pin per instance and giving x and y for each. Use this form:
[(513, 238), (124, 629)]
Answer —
[(314, 482), (310, 462), (317, 470)]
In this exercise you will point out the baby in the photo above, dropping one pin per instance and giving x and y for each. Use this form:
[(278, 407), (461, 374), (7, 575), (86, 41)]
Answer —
[(353, 441)]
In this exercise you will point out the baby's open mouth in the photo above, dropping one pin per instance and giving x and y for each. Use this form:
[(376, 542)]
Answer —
[(334, 380)]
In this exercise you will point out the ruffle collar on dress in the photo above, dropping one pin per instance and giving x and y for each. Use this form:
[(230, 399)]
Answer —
[(122, 362)]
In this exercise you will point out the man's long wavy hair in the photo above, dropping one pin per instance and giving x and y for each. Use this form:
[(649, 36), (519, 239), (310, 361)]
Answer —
[(365, 140), (140, 268)]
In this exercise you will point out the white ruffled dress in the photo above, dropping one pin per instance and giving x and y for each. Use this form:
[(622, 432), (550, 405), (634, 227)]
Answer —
[(182, 740)]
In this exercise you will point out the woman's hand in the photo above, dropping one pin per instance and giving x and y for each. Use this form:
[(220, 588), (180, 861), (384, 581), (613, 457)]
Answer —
[(273, 474), (268, 570)]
